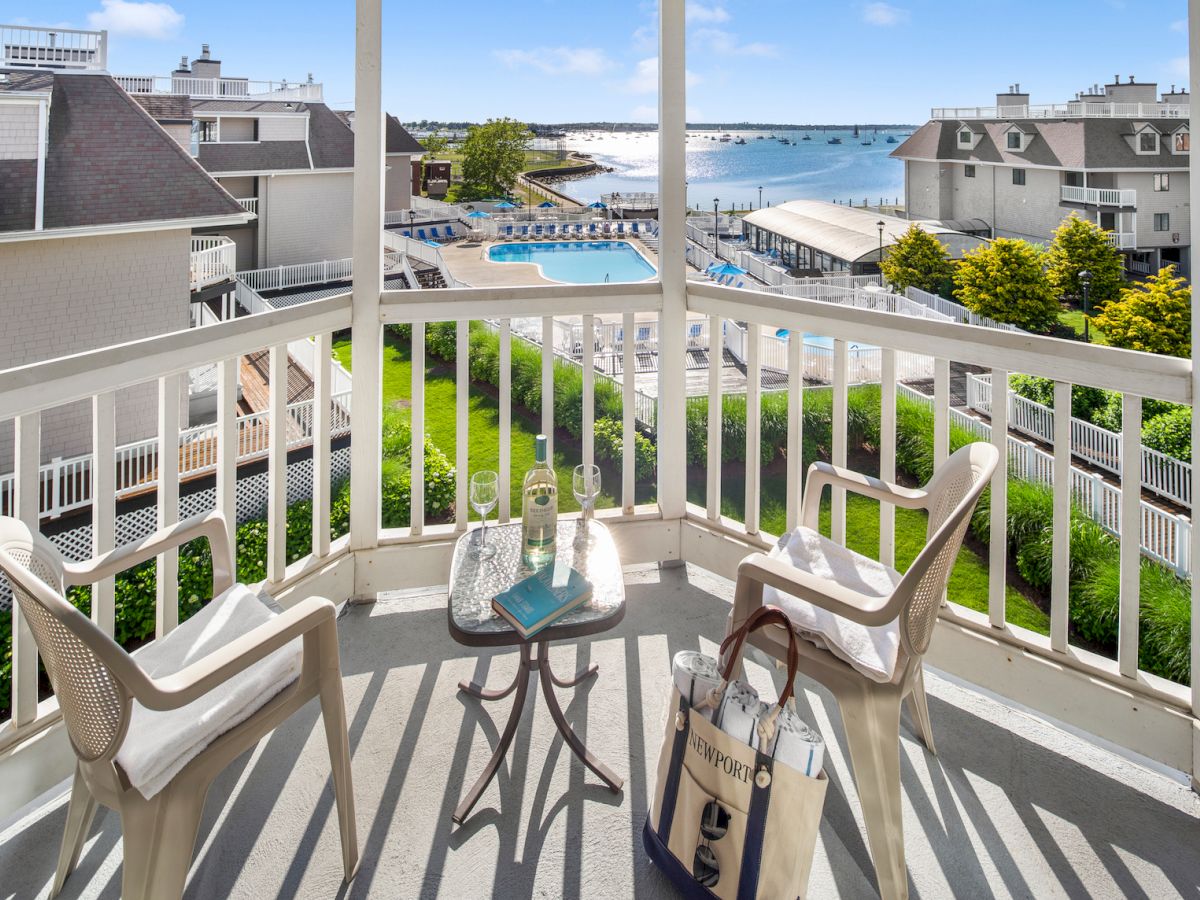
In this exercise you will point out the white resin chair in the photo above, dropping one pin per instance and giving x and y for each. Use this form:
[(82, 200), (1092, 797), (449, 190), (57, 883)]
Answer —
[(151, 731), (866, 627)]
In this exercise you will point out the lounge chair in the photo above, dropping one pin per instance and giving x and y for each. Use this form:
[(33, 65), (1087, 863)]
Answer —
[(407, 234), (450, 235), (694, 333), (865, 631), (433, 234), (537, 231), (642, 344), (151, 731), (524, 232), (421, 235), (551, 231), (578, 230), (741, 284), (508, 232), (592, 230), (621, 229), (633, 229)]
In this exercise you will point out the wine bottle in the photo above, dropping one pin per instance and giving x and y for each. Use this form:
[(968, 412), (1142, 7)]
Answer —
[(539, 510)]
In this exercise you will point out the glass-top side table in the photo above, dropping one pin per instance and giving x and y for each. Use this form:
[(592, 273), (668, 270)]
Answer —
[(473, 584)]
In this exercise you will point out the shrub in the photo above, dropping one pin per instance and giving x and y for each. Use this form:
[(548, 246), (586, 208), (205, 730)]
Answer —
[(918, 259), (1006, 280), (610, 446), (1080, 245), (1170, 432), (1154, 316)]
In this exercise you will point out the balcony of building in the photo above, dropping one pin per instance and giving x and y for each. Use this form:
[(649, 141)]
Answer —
[(222, 88), (1076, 109), (1061, 769), (213, 260), (53, 48), (1093, 196)]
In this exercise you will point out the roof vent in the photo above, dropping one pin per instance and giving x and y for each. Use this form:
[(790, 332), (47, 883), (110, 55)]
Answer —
[(310, 78), (204, 52), (1018, 88), (183, 62), (1131, 79)]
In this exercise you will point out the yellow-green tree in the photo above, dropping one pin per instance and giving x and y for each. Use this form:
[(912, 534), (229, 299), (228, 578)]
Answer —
[(1155, 316), (1081, 245), (920, 260), (493, 156), (1006, 280)]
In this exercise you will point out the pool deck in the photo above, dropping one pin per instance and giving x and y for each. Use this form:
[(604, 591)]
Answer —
[(468, 262)]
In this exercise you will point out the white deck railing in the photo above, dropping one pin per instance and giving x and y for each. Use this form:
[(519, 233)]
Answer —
[(53, 48), (249, 204), (213, 259), (1098, 196), (1170, 478), (1076, 109), (1123, 240), (220, 88), (955, 311)]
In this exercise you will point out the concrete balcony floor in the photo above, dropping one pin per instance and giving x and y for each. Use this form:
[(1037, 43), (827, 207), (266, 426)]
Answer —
[(1011, 806)]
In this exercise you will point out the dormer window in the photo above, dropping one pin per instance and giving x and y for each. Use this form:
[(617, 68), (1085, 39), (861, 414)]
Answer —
[(1014, 140), (964, 138), (1181, 141), (1148, 142)]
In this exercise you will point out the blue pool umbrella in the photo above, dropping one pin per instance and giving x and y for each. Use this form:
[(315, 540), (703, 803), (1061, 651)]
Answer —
[(479, 214), (726, 269), (597, 205), (781, 333), (547, 205), (504, 204)]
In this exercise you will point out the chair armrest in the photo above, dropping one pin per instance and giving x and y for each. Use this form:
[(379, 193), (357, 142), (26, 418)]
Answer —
[(174, 691), (837, 598), (210, 525), (821, 474)]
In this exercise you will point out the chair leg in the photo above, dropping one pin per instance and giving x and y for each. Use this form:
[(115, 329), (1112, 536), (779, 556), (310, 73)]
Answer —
[(80, 813), (919, 707), (160, 836), (333, 712), (871, 717)]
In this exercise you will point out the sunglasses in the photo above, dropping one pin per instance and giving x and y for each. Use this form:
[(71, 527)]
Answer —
[(714, 824)]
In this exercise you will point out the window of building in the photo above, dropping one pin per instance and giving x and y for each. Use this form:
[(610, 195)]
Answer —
[(964, 137), (1162, 181), (1183, 142), (206, 132), (969, 171), (1148, 142), (1162, 221), (1014, 140), (1019, 177)]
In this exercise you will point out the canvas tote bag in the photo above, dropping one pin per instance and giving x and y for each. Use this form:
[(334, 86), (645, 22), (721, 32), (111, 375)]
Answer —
[(725, 820)]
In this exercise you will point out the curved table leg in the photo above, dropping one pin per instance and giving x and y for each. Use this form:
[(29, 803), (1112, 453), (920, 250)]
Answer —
[(581, 676), (521, 686), (547, 678), (479, 692)]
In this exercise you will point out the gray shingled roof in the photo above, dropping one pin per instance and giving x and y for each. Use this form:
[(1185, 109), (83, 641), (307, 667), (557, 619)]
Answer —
[(108, 162), (1066, 143), (279, 156), (18, 194), (329, 138), (399, 140), (173, 108)]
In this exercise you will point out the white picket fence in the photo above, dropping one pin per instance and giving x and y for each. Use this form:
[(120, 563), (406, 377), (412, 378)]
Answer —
[(66, 483), (955, 311), (1166, 476), (213, 259), (301, 275), (1163, 536)]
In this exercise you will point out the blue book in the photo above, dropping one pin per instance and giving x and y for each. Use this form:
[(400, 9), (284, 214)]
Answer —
[(542, 598)]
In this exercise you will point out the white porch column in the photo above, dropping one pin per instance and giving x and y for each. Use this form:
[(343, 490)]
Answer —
[(672, 209), (367, 335), (1194, 190)]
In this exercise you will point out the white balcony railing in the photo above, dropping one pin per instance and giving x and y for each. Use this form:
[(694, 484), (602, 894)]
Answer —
[(249, 204), (1070, 193), (1123, 240), (53, 48), (1076, 109), (221, 88), (213, 260), (1169, 478)]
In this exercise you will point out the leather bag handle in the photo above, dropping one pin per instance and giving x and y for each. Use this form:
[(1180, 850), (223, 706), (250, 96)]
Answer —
[(760, 618)]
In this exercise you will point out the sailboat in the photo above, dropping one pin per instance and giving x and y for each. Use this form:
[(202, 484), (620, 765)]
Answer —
[(856, 131), (892, 139), (807, 137)]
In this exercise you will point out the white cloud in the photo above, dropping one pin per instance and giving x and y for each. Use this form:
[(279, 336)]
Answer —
[(558, 60), (645, 77), (725, 43), (884, 15), (1179, 67), (1179, 25), (700, 12), (155, 21), (645, 113)]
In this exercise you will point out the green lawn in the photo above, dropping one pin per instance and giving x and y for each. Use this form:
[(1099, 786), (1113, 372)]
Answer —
[(968, 582), (1073, 319), (484, 425)]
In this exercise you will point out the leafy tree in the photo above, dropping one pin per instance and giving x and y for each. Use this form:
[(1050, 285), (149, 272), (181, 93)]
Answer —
[(436, 144), (1170, 433), (494, 155), (1155, 316), (1006, 280), (1080, 245), (920, 260)]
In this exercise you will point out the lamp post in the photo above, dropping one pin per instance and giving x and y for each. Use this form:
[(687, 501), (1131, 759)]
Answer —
[(716, 224), (1085, 282), (879, 225), (760, 196)]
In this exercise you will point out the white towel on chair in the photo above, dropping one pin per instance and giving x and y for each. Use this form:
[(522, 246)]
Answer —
[(159, 744), (872, 650)]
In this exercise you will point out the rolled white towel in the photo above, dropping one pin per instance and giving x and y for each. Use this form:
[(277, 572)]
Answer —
[(695, 676), (795, 744), (739, 712)]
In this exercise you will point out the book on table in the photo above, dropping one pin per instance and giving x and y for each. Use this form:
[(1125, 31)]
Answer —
[(542, 599)]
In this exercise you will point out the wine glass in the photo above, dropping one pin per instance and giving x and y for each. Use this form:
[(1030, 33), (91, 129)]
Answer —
[(484, 496), (586, 484)]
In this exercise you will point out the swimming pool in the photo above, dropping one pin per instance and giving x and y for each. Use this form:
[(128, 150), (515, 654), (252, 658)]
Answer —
[(579, 262)]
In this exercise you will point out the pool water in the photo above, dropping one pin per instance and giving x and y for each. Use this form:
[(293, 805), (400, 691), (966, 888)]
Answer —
[(579, 262)]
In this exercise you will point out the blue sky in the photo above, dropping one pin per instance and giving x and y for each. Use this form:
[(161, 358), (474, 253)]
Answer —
[(749, 60)]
